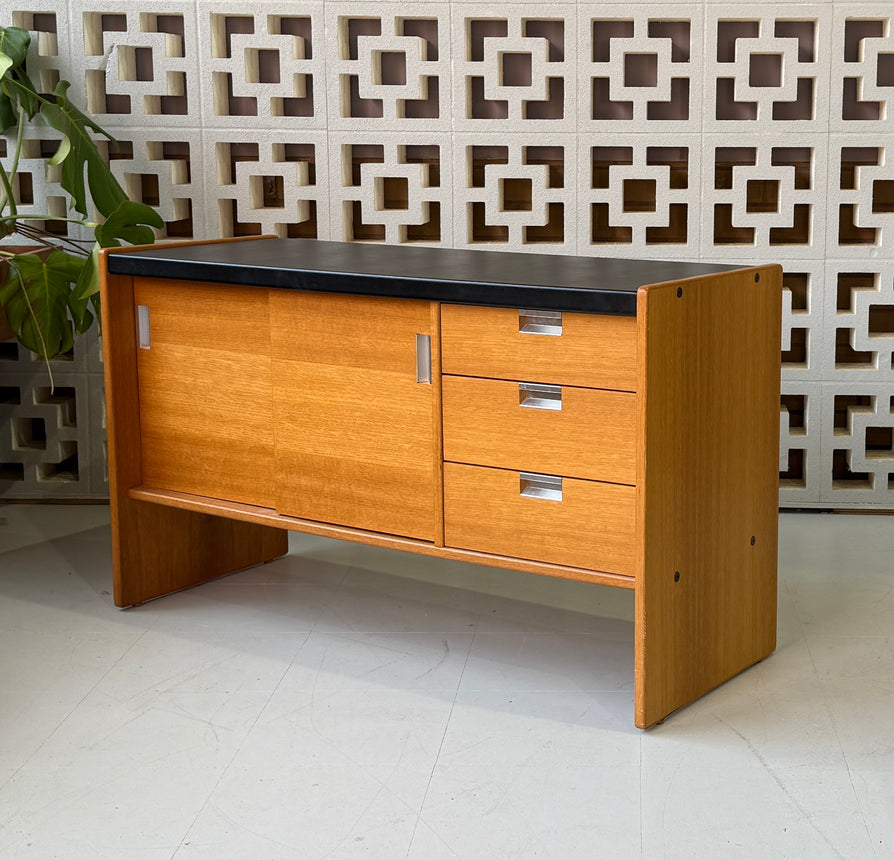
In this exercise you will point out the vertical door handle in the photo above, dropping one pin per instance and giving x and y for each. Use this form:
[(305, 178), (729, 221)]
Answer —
[(144, 336), (423, 359)]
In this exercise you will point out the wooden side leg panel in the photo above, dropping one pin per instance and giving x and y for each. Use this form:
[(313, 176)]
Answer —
[(158, 549), (155, 549), (707, 511)]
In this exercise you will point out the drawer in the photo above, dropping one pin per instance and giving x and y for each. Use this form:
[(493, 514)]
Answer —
[(578, 432), (585, 350), (501, 512)]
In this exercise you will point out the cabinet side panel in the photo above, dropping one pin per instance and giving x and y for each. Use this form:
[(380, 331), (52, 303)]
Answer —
[(156, 550), (708, 484)]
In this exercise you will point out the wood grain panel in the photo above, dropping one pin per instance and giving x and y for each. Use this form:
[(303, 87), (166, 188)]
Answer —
[(709, 359), (593, 351), (205, 390), (592, 436), (155, 549), (355, 431), (592, 527), (437, 424)]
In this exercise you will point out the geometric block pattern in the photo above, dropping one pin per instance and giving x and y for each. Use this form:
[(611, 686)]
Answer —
[(514, 195), (391, 189), (138, 62), (40, 19), (515, 68), (264, 62), (860, 322), (803, 352), (857, 433), (762, 200), (37, 187), (50, 444), (681, 130), (389, 70), (643, 67), (766, 65), (161, 167), (861, 196), (863, 69), (800, 423), (269, 185), (637, 191)]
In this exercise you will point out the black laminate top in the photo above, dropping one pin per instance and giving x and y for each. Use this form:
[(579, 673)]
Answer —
[(539, 281)]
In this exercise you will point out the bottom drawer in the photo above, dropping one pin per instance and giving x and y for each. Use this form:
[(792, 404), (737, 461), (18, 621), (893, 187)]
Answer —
[(584, 524)]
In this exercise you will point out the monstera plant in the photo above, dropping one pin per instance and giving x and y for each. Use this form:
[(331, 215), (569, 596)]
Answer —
[(50, 291)]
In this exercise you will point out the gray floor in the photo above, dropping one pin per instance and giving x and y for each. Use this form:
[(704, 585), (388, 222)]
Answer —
[(352, 702)]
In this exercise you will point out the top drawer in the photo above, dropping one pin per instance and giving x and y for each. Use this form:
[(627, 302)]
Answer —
[(584, 350)]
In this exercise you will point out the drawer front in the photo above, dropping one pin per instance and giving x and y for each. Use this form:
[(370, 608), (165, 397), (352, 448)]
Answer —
[(591, 527), (577, 432), (586, 350)]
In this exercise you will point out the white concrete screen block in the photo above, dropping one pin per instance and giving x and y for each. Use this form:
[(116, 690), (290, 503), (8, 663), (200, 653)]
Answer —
[(644, 67), (389, 66), (639, 195), (764, 198), (514, 194), (767, 67), (856, 439), (513, 68), (268, 184), (705, 130), (391, 188), (862, 62), (263, 65)]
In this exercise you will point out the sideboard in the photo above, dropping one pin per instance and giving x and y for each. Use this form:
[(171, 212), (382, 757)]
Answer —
[(605, 420)]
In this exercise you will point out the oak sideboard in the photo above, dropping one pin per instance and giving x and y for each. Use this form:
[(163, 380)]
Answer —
[(605, 420)]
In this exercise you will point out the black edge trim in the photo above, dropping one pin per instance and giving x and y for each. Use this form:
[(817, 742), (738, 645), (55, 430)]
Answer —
[(455, 292)]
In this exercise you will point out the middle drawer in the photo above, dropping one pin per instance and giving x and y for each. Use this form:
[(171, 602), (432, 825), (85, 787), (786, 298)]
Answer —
[(576, 432)]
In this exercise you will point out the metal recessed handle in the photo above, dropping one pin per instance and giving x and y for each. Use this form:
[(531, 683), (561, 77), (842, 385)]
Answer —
[(535, 396), (144, 337), (423, 359), (536, 486), (540, 322)]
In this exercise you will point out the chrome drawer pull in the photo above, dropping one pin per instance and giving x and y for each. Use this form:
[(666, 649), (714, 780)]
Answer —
[(540, 322), (423, 358), (536, 486), (144, 337), (535, 396)]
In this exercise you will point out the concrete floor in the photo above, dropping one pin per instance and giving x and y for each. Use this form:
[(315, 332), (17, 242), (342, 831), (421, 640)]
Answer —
[(347, 701)]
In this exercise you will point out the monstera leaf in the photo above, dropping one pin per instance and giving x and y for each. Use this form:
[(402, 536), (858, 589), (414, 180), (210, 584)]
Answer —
[(35, 296), (131, 222), (77, 153), (49, 298), (14, 83)]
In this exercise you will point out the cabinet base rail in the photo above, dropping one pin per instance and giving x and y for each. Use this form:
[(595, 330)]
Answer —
[(269, 517)]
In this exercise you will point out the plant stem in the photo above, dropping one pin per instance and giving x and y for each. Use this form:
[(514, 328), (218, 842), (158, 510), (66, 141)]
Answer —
[(7, 178), (52, 240), (8, 196)]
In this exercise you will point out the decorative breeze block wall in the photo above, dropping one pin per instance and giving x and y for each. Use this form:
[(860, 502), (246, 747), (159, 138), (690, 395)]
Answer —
[(692, 131)]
